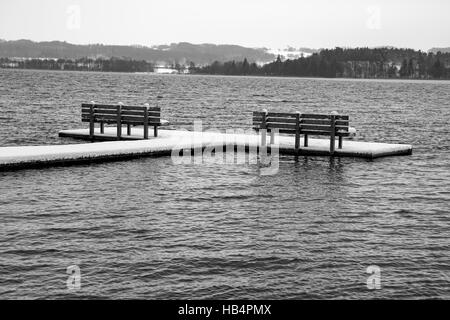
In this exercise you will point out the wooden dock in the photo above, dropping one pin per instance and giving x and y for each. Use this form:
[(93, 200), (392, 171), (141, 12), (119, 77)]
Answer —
[(133, 146)]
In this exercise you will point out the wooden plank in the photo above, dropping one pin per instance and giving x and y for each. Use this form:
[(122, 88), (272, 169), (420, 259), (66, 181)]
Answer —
[(114, 107), (257, 127), (133, 108), (106, 118), (290, 124), (100, 106), (281, 120), (286, 131), (274, 125), (275, 119), (133, 118), (104, 111), (322, 116), (135, 123), (306, 127), (281, 115), (325, 122), (100, 111), (323, 133), (141, 108), (141, 123), (98, 118), (133, 113), (100, 121), (316, 133), (309, 127), (314, 116)]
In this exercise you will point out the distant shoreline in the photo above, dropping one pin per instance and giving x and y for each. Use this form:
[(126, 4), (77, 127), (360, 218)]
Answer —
[(232, 76)]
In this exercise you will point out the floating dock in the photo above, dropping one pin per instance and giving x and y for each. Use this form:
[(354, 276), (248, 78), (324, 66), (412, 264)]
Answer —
[(22, 157)]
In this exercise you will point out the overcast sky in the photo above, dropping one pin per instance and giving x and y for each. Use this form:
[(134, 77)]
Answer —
[(419, 24)]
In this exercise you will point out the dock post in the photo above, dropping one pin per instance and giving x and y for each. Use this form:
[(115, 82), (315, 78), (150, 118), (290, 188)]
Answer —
[(264, 128), (119, 120), (333, 134), (297, 132), (91, 121), (146, 106)]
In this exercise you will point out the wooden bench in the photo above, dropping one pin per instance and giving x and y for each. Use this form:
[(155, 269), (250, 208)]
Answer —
[(306, 124), (121, 115)]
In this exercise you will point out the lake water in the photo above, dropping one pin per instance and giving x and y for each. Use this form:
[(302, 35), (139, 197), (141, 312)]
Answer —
[(150, 229)]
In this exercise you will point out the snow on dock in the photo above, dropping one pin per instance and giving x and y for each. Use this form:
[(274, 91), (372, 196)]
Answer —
[(134, 146)]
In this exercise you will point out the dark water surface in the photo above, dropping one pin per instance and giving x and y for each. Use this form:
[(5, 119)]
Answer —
[(151, 229)]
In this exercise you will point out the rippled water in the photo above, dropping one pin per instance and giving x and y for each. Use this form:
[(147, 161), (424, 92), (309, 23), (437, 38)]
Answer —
[(151, 229)]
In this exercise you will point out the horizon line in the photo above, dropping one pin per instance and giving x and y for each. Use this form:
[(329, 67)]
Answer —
[(226, 44)]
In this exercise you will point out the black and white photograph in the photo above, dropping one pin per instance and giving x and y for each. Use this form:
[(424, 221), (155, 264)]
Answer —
[(232, 151)]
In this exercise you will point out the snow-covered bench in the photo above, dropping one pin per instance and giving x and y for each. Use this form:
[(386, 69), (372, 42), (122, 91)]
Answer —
[(121, 115), (332, 125)]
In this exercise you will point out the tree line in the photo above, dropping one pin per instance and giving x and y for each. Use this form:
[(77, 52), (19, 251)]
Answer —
[(344, 63), (84, 64)]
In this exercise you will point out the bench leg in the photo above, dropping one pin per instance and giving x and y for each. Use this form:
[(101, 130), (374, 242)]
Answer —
[(272, 137), (91, 130), (332, 144), (119, 132), (102, 127), (263, 137), (145, 132), (155, 131), (128, 129), (340, 142), (306, 140)]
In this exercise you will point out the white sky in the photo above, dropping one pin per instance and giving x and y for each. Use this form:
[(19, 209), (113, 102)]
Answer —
[(419, 24)]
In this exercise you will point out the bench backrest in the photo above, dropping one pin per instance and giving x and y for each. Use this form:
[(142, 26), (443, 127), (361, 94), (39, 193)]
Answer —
[(313, 124), (321, 124), (134, 115), (285, 122)]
